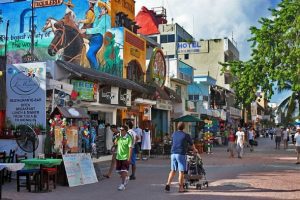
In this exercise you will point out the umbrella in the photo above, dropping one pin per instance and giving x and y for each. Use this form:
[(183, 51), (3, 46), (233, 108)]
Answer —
[(188, 118)]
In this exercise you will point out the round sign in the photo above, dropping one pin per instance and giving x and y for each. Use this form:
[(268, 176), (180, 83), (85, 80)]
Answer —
[(158, 67)]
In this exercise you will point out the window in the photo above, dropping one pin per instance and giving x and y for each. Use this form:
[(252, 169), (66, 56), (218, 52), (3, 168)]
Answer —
[(170, 56), (153, 38), (135, 72), (186, 56), (178, 90), (194, 97), (167, 38)]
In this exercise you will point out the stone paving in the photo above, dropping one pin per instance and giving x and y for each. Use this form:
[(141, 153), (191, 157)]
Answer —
[(264, 174)]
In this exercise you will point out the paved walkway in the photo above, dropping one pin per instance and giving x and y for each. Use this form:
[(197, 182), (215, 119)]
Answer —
[(264, 174)]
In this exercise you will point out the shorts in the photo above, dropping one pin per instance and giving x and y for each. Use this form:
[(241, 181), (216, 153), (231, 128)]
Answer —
[(298, 149), (178, 162), (133, 157), (251, 142), (122, 165), (138, 147), (278, 139)]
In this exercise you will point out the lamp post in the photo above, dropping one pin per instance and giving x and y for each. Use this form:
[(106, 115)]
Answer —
[(32, 29)]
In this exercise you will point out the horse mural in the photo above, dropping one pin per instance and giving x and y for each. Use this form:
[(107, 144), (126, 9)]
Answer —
[(67, 41)]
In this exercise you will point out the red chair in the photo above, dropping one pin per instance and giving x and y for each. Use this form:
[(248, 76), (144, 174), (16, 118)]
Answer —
[(48, 174)]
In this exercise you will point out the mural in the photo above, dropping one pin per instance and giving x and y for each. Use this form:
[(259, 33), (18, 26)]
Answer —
[(76, 31)]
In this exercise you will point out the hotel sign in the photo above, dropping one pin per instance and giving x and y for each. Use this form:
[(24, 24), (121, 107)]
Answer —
[(46, 3), (188, 47)]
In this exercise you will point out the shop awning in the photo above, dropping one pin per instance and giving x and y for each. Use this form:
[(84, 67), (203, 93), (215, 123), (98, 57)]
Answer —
[(70, 112), (188, 118), (101, 77)]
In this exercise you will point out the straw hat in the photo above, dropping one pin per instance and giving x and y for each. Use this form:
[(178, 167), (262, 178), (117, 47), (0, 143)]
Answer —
[(69, 3), (102, 4)]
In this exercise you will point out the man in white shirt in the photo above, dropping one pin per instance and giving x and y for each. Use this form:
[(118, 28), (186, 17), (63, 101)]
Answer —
[(297, 144), (240, 140)]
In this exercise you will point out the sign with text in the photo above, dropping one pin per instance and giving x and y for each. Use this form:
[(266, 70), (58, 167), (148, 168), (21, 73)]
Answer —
[(85, 89), (80, 169), (188, 47), (26, 94), (46, 3)]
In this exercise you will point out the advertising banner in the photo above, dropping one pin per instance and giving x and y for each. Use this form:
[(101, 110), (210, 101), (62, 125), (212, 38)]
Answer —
[(26, 94), (85, 89)]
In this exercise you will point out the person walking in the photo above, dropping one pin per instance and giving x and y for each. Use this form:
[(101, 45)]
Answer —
[(231, 142), (240, 141), (124, 154), (139, 133), (297, 144), (285, 138), (278, 135), (113, 151), (251, 136), (180, 141), (135, 138)]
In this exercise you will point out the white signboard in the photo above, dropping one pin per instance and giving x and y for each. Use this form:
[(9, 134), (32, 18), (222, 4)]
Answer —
[(80, 169), (188, 47), (26, 94)]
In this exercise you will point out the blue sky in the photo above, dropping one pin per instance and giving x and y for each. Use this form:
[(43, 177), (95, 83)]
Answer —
[(208, 19)]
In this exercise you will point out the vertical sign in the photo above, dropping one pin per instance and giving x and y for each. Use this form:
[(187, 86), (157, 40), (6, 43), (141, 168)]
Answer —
[(26, 94)]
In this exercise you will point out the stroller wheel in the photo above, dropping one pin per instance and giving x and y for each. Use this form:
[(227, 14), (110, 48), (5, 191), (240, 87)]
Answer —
[(206, 183), (198, 186), (186, 186)]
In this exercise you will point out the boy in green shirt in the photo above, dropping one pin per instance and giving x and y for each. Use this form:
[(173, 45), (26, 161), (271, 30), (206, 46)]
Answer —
[(124, 143)]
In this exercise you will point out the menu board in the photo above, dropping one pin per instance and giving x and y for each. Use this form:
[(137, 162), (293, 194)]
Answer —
[(72, 138), (58, 137), (80, 169)]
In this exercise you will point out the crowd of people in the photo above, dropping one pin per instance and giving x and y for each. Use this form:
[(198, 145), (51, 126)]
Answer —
[(128, 144)]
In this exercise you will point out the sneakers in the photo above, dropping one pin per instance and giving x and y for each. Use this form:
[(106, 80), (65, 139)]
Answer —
[(132, 177), (121, 187), (126, 180)]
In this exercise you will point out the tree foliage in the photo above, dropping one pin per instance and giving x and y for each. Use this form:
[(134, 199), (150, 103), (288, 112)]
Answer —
[(275, 55)]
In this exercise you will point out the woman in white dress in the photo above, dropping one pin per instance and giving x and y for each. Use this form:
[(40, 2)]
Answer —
[(146, 143), (108, 138)]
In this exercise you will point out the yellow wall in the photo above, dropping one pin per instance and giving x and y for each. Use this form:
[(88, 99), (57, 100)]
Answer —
[(125, 6), (134, 49)]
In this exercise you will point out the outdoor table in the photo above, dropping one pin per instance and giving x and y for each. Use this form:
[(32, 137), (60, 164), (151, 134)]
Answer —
[(36, 162), (10, 167)]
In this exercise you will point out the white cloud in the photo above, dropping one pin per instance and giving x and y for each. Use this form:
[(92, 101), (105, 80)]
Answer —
[(209, 19)]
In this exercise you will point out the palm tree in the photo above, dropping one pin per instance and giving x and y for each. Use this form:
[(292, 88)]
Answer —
[(288, 105)]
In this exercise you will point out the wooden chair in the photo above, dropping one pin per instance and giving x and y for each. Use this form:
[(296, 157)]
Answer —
[(2, 160), (9, 159), (48, 174), (32, 176)]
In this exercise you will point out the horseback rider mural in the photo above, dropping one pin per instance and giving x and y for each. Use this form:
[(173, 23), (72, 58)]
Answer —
[(101, 23), (81, 46)]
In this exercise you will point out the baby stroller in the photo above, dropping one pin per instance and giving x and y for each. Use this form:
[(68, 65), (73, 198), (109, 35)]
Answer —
[(195, 174)]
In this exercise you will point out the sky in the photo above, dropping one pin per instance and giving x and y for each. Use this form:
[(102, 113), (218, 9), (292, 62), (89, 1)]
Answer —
[(210, 19)]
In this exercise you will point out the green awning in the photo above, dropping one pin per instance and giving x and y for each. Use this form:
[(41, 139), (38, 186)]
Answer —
[(187, 118)]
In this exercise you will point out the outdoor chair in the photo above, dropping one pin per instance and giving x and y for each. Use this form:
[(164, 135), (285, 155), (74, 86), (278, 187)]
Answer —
[(32, 176), (9, 159), (2, 160), (48, 174)]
